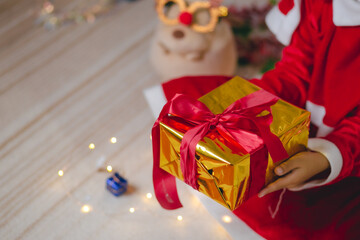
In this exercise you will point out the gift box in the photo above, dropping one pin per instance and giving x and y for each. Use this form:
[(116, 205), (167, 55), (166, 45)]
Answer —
[(225, 144), (116, 184)]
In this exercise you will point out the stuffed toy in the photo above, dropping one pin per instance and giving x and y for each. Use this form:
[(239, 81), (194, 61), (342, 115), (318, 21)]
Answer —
[(192, 38)]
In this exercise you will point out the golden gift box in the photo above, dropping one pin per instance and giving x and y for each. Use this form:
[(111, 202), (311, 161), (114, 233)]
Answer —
[(223, 170)]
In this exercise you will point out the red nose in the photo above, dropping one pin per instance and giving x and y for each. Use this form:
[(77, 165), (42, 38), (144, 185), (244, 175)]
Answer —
[(185, 18)]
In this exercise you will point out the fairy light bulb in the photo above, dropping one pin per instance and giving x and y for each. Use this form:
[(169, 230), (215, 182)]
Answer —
[(113, 140), (90, 18), (109, 168), (148, 195), (48, 7), (132, 210), (179, 218), (226, 219), (61, 173), (92, 146), (85, 208)]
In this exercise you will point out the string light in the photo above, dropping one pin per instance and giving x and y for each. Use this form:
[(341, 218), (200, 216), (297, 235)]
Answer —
[(48, 7), (226, 219), (109, 168), (61, 173), (85, 208), (113, 140)]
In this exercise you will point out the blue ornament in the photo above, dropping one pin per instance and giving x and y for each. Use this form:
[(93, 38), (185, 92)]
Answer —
[(116, 184)]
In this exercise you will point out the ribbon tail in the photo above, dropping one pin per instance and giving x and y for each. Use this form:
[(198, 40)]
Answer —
[(273, 146), (257, 171), (164, 183)]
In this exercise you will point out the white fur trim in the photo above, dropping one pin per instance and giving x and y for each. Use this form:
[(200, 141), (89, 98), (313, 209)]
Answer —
[(283, 26), (332, 153), (346, 12), (156, 99), (317, 118)]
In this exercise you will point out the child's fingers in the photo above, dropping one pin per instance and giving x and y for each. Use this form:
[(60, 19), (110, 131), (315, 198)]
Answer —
[(281, 183), (287, 166), (273, 187)]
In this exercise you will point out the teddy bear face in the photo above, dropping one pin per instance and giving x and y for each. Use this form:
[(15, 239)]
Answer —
[(179, 49)]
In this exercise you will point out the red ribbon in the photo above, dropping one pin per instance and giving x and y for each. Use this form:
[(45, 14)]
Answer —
[(237, 124)]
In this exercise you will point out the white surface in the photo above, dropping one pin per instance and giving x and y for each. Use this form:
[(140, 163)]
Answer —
[(156, 99)]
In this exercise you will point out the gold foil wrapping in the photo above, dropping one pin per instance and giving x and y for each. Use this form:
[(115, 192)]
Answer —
[(224, 171)]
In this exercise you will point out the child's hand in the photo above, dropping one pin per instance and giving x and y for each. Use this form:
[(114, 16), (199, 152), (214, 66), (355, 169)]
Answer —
[(296, 171)]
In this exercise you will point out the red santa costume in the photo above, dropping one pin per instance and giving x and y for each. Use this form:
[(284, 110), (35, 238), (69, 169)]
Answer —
[(319, 71)]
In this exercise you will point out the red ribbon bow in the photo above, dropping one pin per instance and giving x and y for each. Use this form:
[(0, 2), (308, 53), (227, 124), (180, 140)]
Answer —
[(236, 124)]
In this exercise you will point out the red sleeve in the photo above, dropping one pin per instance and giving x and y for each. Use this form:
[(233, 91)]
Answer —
[(290, 78), (346, 137)]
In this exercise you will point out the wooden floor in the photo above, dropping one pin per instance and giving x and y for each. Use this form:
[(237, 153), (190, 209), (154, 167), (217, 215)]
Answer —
[(62, 90)]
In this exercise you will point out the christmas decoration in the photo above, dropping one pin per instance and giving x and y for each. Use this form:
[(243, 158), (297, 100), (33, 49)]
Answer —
[(116, 184), (192, 39), (84, 203)]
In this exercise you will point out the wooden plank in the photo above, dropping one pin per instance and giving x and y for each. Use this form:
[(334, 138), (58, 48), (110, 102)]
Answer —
[(59, 76)]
